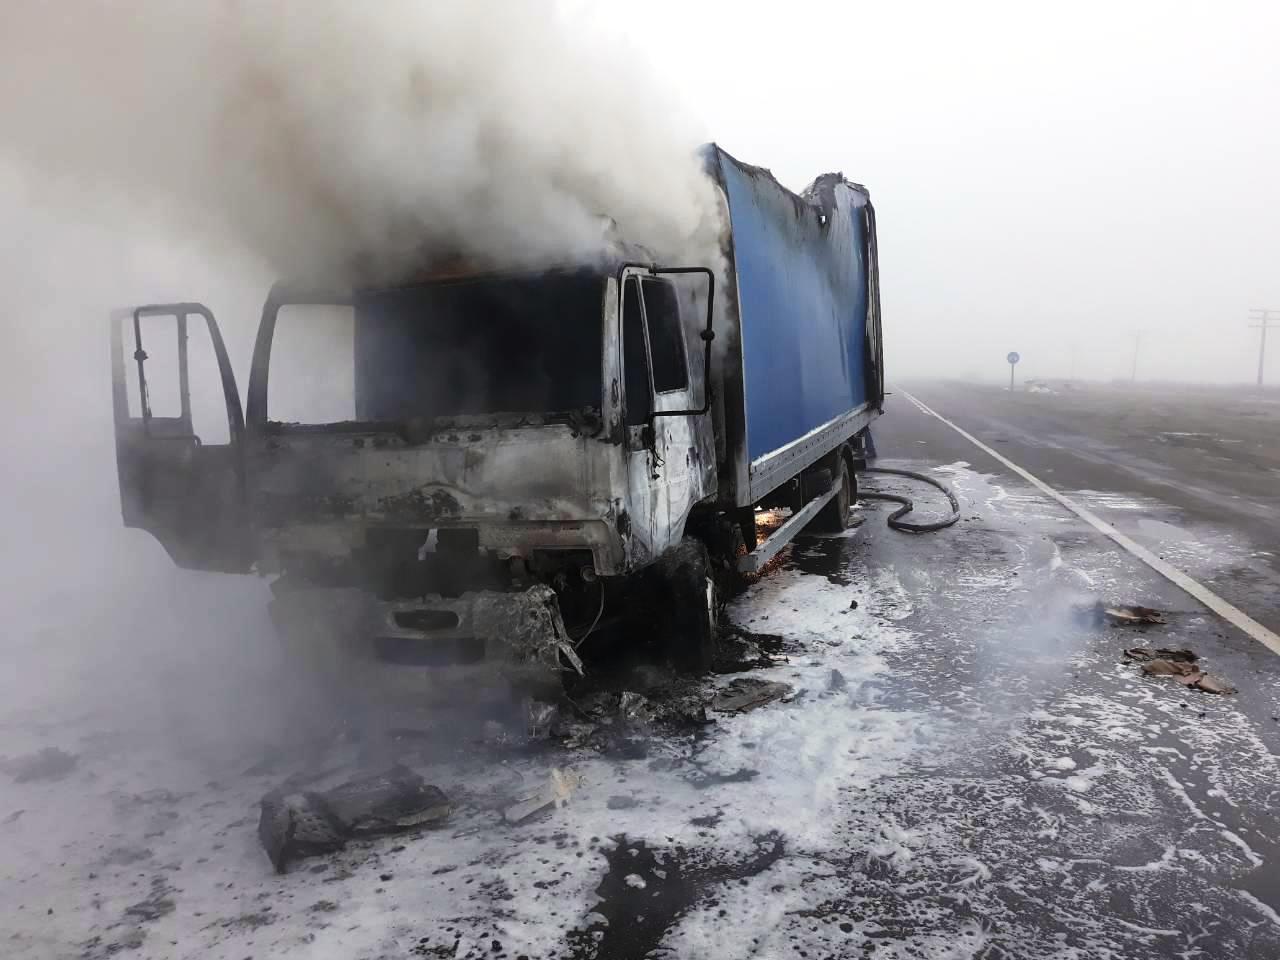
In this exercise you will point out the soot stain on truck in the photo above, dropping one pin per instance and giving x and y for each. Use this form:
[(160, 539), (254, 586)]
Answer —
[(420, 504)]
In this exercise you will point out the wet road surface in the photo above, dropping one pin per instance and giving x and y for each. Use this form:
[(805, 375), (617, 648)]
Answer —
[(1163, 457), (967, 768)]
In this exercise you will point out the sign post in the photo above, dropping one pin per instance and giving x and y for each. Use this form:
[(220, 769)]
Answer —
[(1013, 359)]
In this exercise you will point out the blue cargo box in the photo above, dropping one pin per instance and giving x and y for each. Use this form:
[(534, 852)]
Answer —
[(800, 359)]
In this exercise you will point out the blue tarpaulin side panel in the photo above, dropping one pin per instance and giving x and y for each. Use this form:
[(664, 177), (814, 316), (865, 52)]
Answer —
[(802, 288)]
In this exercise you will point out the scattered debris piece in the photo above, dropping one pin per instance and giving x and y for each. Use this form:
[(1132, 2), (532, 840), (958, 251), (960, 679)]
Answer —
[(556, 793), (747, 693), (622, 803), (1142, 654), (298, 825), (1181, 665), (737, 654), (1132, 613), (1170, 668), (307, 823), (396, 800), (1211, 684), (47, 763), (13, 817), (836, 680)]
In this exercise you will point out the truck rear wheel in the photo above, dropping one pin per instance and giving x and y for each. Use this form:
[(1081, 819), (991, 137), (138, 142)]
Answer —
[(834, 517)]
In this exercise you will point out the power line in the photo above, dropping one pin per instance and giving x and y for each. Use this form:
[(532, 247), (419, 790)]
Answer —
[(1267, 320)]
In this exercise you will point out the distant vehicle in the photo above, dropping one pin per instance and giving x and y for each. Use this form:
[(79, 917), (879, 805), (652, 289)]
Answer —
[(499, 455)]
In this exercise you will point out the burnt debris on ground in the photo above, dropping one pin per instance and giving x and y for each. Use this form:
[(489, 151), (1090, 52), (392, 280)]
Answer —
[(617, 709), (1181, 665), (1099, 613), (296, 823), (747, 693), (1134, 613)]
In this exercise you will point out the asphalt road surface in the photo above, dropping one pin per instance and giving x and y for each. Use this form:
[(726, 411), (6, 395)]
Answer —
[(967, 766), (1190, 456)]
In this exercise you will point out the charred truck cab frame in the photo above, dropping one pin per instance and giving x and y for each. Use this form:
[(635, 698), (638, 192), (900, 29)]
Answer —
[(496, 479)]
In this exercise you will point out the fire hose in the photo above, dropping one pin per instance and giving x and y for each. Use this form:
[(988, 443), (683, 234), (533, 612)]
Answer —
[(895, 519)]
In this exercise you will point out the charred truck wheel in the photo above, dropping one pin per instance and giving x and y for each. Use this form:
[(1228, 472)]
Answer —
[(688, 605), (834, 517), (723, 537)]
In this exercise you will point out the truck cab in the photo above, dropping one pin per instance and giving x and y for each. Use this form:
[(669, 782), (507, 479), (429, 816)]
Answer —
[(411, 451)]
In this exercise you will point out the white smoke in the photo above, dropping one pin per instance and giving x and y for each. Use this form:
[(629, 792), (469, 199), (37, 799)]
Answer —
[(325, 132)]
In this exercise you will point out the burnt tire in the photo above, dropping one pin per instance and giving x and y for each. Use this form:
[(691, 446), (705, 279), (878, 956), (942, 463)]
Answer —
[(834, 517), (691, 607)]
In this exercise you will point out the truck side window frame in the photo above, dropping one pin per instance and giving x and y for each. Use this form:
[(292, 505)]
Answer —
[(637, 389), (669, 363)]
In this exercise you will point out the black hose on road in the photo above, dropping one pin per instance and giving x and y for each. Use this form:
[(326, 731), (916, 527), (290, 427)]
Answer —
[(895, 519)]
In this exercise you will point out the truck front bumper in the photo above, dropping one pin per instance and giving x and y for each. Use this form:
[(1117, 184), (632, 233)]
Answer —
[(430, 648)]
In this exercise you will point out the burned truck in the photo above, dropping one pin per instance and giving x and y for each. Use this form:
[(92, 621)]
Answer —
[(473, 467)]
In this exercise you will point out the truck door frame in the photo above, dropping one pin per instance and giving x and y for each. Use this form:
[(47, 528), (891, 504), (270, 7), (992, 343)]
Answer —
[(187, 494)]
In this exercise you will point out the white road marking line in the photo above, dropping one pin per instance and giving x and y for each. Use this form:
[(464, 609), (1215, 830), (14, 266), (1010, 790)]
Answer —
[(1232, 614)]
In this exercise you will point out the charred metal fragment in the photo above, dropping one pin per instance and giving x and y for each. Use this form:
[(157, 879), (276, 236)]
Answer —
[(532, 626), (296, 824)]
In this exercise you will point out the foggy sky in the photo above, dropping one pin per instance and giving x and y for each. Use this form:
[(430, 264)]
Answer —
[(1047, 178)]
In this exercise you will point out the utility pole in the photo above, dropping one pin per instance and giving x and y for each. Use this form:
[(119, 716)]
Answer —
[(1266, 320)]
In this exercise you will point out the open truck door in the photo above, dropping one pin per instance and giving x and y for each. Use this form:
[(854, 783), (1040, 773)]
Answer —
[(186, 490), (663, 379)]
